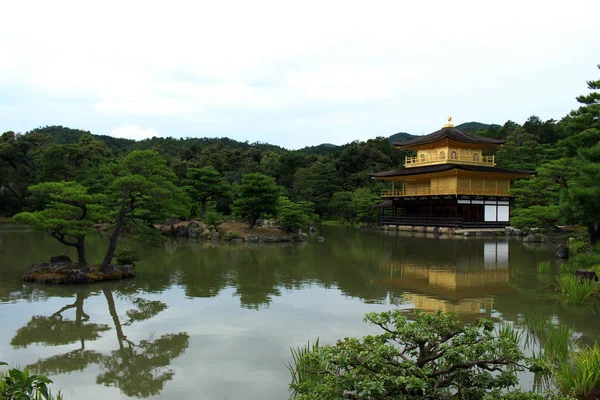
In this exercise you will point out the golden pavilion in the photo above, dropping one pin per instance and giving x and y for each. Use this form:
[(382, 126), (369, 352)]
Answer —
[(450, 182)]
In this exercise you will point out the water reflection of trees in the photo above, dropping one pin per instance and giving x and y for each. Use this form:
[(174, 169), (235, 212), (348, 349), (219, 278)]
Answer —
[(351, 262), (356, 262), (137, 369)]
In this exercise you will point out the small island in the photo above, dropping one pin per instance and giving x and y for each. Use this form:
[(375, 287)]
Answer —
[(61, 269)]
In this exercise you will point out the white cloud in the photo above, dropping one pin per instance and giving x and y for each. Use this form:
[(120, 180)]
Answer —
[(133, 132), (197, 66)]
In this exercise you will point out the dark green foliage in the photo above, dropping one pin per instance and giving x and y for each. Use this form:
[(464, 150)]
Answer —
[(64, 135), (289, 163), (565, 189), (363, 205), (433, 357), (317, 184), (257, 195), (68, 216), (473, 127), (204, 184), (17, 168), (340, 206), (539, 217), (142, 192), (293, 216), (322, 149), (523, 151), (125, 255), (581, 203), (213, 220), (358, 159)]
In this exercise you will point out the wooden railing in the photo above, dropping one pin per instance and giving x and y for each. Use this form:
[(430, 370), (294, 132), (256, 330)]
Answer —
[(428, 160), (443, 191)]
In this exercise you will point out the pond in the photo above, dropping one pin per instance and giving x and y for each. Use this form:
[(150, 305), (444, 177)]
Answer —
[(216, 320)]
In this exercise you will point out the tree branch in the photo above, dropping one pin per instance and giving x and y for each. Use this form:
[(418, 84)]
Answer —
[(475, 363), (61, 238)]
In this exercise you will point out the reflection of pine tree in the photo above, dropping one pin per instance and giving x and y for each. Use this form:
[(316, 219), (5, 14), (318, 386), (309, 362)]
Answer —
[(138, 370), (142, 370), (256, 282), (55, 331)]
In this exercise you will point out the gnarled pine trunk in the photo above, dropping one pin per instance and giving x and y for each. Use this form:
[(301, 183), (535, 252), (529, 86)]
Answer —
[(80, 246), (112, 245)]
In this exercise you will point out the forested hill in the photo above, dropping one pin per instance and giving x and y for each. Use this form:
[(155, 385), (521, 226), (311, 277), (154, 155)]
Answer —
[(404, 136), (472, 127), (65, 135), (469, 127), (168, 145)]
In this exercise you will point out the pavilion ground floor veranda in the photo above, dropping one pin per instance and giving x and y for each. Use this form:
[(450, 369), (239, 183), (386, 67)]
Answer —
[(459, 211)]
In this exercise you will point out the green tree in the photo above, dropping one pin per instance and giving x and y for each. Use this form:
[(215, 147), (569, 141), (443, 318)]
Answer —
[(257, 195), (543, 217), (317, 184), (363, 205), (270, 164), (583, 125), (69, 215), (581, 202), (433, 357), (143, 192), (17, 167), (523, 151), (537, 198), (204, 184), (58, 162), (213, 220), (291, 216), (289, 163), (340, 206)]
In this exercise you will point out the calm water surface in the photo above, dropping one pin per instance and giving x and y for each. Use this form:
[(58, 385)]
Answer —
[(215, 321)]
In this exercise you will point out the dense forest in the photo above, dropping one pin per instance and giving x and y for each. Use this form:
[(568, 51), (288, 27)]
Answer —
[(210, 175)]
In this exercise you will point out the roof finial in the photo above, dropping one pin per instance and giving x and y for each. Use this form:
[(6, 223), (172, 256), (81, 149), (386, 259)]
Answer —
[(449, 124)]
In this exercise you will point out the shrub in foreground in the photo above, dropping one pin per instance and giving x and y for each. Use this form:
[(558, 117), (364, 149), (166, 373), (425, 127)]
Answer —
[(22, 385), (434, 357)]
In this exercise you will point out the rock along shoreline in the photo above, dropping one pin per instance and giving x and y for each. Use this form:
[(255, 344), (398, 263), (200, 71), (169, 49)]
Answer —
[(235, 232)]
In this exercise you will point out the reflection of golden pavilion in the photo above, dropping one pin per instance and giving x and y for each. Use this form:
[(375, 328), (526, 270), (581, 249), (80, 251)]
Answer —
[(465, 288)]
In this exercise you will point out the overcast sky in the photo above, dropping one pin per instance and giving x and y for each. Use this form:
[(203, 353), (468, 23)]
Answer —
[(291, 73)]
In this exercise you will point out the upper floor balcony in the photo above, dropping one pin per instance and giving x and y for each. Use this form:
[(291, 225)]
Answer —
[(441, 191), (442, 158)]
